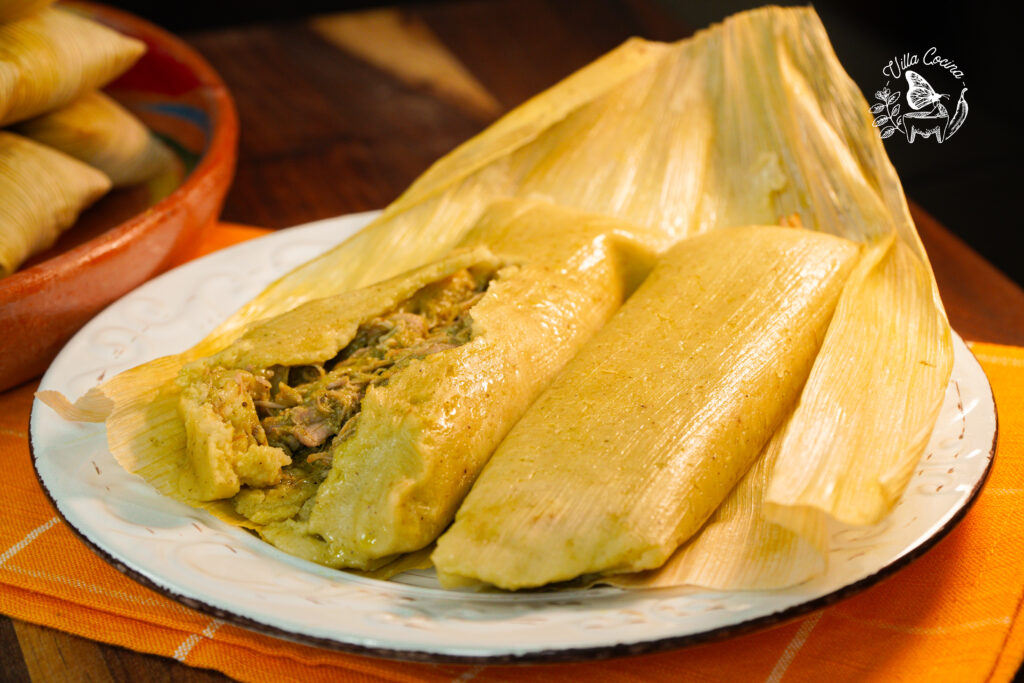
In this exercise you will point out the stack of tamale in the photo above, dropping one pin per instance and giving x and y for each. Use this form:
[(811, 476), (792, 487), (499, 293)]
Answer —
[(702, 434), (70, 143)]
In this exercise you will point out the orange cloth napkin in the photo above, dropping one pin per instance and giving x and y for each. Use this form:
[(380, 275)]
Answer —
[(953, 615)]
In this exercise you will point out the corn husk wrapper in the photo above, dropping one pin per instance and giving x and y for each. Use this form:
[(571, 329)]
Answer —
[(42, 191), (746, 122), (882, 295), (15, 9), (49, 59), (99, 131)]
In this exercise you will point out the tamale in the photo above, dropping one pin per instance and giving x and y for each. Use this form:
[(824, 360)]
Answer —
[(42, 191), (651, 425), (99, 131), (348, 430), (50, 58), (15, 9)]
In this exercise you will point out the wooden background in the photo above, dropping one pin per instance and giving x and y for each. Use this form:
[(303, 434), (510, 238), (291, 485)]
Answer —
[(337, 119)]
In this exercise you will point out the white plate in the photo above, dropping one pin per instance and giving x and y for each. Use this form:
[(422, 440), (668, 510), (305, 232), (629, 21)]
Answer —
[(226, 572)]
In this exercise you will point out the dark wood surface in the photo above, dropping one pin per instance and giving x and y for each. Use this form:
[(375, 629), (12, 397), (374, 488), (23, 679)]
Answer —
[(326, 132)]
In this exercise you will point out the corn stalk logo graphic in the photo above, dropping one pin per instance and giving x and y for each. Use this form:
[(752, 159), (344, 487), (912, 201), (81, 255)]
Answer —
[(926, 115)]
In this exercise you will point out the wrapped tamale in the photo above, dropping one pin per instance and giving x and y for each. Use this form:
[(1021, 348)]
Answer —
[(15, 9), (651, 425), (42, 191), (49, 59), (99, 131)]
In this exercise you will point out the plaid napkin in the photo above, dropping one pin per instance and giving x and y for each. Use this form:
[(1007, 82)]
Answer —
[(953, 615)]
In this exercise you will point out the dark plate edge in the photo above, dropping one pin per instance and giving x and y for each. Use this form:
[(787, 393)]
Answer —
[(559, 656)]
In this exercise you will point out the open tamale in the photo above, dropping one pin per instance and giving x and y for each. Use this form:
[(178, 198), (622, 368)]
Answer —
[(42, 191), (49, 59), (651, 425), (99, 131), (348, 430)]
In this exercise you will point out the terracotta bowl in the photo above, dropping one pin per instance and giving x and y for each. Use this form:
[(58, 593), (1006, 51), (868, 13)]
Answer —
[(131, 235)]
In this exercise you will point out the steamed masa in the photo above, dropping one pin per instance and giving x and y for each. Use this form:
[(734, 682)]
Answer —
[(348, 430)]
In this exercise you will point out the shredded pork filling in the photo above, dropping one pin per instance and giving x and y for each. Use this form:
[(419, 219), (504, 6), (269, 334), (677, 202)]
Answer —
[(303, 409)]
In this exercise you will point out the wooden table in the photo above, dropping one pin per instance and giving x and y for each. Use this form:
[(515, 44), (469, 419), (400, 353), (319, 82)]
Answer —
[(333, 124)]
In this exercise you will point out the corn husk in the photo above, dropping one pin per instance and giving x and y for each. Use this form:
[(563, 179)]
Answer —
[(810, 481), (42, 191), (651, 425), (49, 59), (15, 9), (747, 121), (99, 131)]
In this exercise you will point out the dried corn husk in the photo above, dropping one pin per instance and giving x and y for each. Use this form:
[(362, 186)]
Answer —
[(651, 425), (885, 304), (42, 191), (99, 131), (15, 9), (50, 58), (746, 122)]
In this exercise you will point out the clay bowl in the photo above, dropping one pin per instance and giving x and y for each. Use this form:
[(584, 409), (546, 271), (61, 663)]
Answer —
[(130, 235)]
